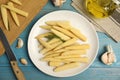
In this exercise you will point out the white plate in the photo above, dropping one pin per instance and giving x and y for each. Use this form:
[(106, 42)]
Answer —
[(77, 21)]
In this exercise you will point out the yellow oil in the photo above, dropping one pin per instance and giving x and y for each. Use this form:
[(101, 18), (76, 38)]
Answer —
[(100, 8)]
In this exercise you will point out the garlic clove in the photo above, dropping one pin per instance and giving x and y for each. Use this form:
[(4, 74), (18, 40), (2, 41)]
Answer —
[(58, 2), (20, 43), (23, 61), (104, 58), (108, 58)]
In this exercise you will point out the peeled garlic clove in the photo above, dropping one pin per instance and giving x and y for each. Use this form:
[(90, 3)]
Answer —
[(20, 43), (23, 61), (108, 58), (104, 58), (58, 2)]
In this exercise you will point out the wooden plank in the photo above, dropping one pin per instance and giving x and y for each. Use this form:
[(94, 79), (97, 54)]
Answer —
[(105, 40), (32, 7), (32, 73), (97, 71)]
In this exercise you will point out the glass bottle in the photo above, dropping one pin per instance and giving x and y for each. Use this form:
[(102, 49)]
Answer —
[(101, 8)]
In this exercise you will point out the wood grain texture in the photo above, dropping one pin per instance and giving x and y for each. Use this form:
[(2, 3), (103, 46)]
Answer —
[(97, 71), (32, 7), (32, 73), (17, 71)]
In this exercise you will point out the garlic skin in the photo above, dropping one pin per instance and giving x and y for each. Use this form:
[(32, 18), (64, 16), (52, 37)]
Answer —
[(58, 2), (23, 61), (108, 57), (20, 43)]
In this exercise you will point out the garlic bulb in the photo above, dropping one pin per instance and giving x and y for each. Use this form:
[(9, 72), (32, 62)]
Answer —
[(108, 57), (58, 2), (20, 43)]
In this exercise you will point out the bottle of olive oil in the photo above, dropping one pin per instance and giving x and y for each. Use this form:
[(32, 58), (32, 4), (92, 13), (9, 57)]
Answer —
[(100, 8)]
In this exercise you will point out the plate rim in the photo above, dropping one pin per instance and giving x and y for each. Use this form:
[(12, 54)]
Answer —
[(92, 26)]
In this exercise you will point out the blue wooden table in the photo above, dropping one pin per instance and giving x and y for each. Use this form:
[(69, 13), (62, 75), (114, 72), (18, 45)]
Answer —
[(97, 71)]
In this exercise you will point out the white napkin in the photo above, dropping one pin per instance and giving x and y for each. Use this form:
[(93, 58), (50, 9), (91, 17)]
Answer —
[(109, 25)]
